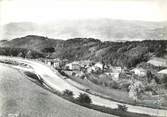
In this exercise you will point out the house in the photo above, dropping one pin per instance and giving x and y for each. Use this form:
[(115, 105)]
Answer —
[(79, 74), (118, 69), (49, 63), (158, 62), (85, 63), (56, 65), (73, 66), (114, 75), (91, 69), (139, 71), (68, 66), (99, 65), (164, 71)]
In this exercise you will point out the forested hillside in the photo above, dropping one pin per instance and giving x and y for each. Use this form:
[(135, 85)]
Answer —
[(125, 54)]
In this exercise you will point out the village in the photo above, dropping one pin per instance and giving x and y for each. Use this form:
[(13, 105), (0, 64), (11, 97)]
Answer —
[(137, 85)]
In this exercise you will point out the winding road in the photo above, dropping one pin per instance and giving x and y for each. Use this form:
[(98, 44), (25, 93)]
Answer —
[(51, 78)]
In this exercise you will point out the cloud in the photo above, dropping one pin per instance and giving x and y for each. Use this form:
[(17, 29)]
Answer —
[(50, 10)]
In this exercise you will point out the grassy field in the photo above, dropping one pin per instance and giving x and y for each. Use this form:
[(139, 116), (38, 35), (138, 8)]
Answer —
[(20, 96), (121, 96), (108, 92)]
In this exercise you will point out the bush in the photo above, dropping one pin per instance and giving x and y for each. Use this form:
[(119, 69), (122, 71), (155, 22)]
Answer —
[(122, 107), (68, 93), (114, 85), (84, 98)]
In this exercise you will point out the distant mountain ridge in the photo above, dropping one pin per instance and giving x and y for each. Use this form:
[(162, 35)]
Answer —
[(127, 54), (104, 29)]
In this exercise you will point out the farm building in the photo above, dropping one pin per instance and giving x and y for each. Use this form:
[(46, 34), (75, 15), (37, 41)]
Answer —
[(158, 62), (73, 66), (114, 75), (116, 69), (91, 69), (139, 71), (164, 71), (99, 65)]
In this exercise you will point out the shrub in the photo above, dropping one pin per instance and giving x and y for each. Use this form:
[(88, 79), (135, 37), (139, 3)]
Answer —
[(68, 93), (114, 85), (122, 107), (84, 98)]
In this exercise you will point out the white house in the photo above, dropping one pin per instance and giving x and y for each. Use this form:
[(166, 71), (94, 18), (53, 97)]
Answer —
[(79, 74), (114, 75), (56, 64), (68, 66), (91, 69), (118, 69), (49, 63), (73, 66), (164, 71), (158, 62), (139, 71), (99, 65), (85, 63)]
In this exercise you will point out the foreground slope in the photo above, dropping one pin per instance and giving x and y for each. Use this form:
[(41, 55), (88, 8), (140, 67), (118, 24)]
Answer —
[(21, 96)]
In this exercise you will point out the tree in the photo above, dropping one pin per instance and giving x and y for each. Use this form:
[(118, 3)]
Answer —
[(68, 93), (84, 98), (20, 54), (149, 76), (48, 50), (136, 90), (29, 54)]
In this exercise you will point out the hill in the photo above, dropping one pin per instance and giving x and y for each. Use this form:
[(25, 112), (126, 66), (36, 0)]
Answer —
[(128, 54), (31, 42)]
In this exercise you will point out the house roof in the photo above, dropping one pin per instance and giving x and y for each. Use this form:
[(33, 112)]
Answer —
[(140, 69), (158, 62), (164, 71)]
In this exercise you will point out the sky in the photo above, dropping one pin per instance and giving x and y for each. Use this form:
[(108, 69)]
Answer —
[(41, 11), (63, 12)]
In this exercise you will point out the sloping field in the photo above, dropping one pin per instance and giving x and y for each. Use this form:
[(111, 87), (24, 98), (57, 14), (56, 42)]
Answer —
[(20, 96)]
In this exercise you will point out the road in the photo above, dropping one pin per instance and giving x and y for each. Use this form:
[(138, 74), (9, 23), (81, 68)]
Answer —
[(52, 79)]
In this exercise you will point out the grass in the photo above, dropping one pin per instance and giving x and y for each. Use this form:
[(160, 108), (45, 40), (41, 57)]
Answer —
[(18, 95), (108, 92), (116, 95)]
